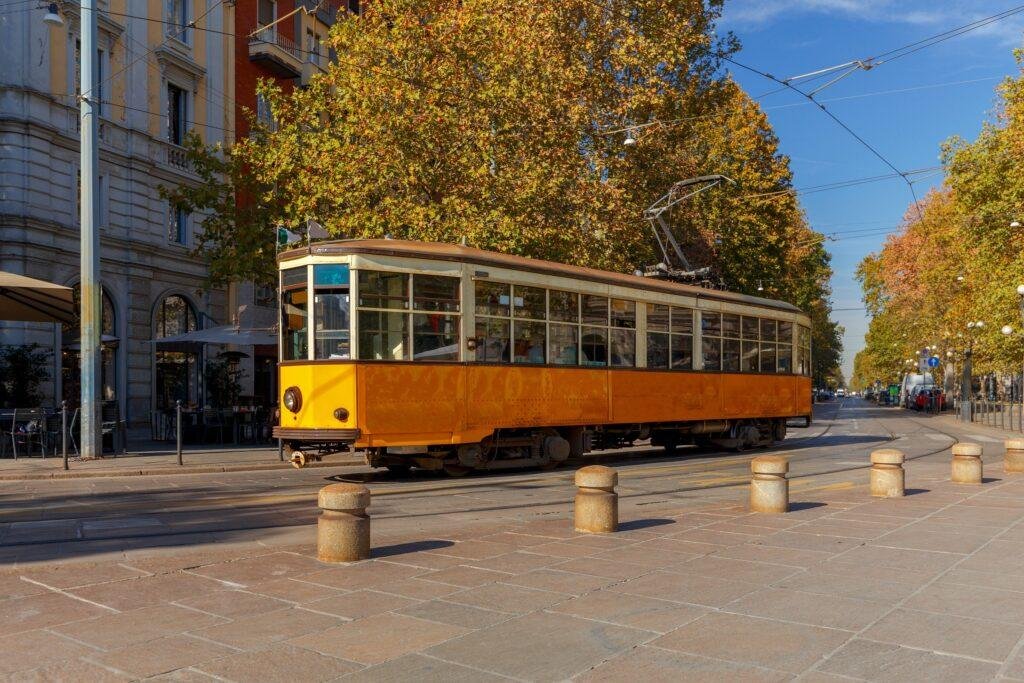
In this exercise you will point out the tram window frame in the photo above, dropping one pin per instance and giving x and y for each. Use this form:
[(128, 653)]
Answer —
[(332, 281), (711, 340), (681, 325), (591, 316), (803, 350), (294, 339), (784, 351), (375, 336)]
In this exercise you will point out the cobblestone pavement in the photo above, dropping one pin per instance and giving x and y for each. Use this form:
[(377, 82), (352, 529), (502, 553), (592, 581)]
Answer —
[(214, 577)]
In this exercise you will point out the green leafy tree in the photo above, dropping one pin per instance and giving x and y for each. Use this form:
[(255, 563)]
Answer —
[(502, 123)]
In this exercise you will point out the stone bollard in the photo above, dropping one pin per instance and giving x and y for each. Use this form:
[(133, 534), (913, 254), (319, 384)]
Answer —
[(1014, 460), (343, 528), (966, 463), (769, 488), (596, 509), (887, 478)]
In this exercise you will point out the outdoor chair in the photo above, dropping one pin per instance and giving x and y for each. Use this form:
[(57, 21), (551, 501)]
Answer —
[(113, 425), (212, 421), (30, 432), (51, 433)]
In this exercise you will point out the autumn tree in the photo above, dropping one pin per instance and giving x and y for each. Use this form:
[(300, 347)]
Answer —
[(502, 123), (959, 258)]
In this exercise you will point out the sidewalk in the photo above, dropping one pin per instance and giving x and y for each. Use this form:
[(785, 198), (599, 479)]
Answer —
[(159, 459), (927, 587)]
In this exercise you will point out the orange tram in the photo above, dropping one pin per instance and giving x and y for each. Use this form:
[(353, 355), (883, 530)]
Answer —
[(445, 357)]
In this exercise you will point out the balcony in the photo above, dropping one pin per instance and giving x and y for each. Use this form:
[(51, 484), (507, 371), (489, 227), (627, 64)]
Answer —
[(309, 70), (276, 53)]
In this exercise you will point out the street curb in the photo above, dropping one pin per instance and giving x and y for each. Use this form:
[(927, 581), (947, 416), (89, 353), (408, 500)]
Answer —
[(172, 471)]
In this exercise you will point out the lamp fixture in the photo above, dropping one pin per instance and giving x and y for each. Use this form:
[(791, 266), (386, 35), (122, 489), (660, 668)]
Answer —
[(52, 16), (630, 138)]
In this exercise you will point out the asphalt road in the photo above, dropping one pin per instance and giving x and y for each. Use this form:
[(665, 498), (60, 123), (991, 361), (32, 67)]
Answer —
[(49, 520)]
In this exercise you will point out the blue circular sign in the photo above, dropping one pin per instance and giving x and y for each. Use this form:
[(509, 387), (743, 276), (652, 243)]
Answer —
[(933, 362)]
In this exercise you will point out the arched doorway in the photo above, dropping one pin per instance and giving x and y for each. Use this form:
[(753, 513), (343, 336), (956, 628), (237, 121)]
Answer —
[(177, 371), (71, 352)]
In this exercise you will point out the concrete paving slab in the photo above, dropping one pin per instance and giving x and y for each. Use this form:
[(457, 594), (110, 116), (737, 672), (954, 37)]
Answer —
[(502, 597), (45, 610), (751, 640), (161, 656), (693, 589), (279, 663), (455, 614), (260, 630), (359, 604), (423, 669), (831, 611), (540, 646), (982, 639), (649, 614), (654, 665), (378, 638), (137, 626), (874, 661)]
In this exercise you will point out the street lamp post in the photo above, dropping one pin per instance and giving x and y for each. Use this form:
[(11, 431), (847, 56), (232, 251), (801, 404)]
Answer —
[(91, 446), (965, 379)]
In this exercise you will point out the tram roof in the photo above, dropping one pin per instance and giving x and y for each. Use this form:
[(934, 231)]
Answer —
[(439, 251)]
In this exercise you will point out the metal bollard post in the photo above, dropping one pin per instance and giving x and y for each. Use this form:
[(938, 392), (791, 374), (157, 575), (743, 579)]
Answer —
[(967, 465), (887, 476), (177, 408), (343, 528), (769, 488), (64, 432), (280, 450), (1013, 461), (596, 507)]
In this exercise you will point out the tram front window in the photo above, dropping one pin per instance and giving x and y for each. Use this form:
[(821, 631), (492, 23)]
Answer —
[(294, 314), (331, 312)]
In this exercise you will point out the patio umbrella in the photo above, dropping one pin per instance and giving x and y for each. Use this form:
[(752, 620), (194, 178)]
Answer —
[(227, 334), (31, 300)]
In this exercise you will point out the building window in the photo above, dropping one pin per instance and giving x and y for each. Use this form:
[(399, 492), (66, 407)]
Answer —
[(177, 110), (264, 114), (177, 226), (99, 101), (266, 11), (177, 372), (264, 295), (71, 353), (177, 19)]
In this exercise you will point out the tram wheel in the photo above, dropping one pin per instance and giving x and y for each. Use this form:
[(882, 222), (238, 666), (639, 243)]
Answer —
[(299, 459), (457, 470)]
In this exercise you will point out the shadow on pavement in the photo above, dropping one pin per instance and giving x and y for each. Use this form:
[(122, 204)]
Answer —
[(635, 524), (914, 492), (804, 505), (403, 548)]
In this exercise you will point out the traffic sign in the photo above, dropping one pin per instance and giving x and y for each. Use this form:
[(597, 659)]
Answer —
[(933, 362)]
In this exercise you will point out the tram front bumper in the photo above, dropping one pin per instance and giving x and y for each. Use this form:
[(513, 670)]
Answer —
[(316, 435)]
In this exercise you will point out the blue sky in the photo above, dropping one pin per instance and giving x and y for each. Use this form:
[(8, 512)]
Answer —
[(944, 90)]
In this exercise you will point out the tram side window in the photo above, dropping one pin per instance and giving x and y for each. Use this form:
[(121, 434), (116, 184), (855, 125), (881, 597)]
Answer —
[(383, 333), (529, 329), (785, 360), (681, 343), (435, 335), (769, 333), (294, 314), (711, 340), (594, 342), (803, 350), (493, 324), (331, 311), (378, 289), (563, 335), (730, 342), (751, 332), (623, 333), (657, 336)]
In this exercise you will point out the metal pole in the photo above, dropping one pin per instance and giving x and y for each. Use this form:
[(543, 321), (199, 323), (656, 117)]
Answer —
[(177, 408), (280, 450), (90, 241), (64, 432), (965, 388)]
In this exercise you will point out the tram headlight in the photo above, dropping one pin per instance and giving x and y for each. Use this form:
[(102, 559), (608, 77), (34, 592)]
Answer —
[(292, 399), (340, 414)]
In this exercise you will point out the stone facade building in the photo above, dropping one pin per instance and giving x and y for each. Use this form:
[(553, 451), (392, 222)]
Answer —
[(159, 78)]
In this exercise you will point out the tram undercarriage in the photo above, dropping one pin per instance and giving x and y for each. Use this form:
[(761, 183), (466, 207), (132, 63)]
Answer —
[(549, 447)]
